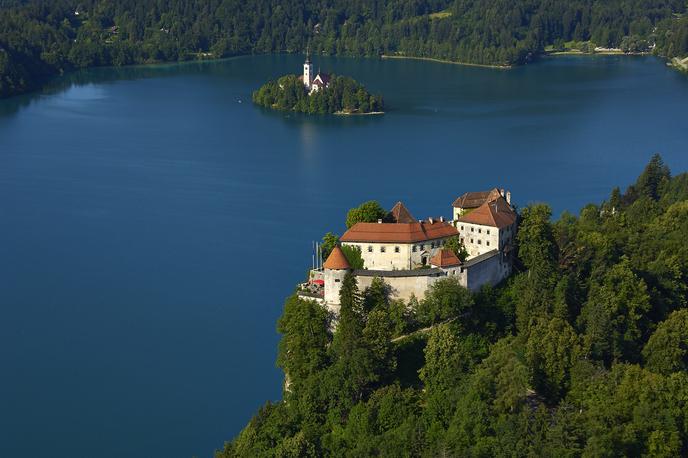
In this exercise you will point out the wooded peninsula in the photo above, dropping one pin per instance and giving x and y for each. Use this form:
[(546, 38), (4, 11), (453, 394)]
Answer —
[(582, 351), (40, 39)]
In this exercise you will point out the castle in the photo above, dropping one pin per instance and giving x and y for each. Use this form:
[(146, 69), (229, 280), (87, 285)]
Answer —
[(311, 82), (410, 254)]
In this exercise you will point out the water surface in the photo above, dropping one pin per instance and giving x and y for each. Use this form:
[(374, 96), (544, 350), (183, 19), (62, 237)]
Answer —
[(152, 220)]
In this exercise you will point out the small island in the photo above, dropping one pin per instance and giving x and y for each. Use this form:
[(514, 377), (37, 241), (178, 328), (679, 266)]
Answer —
[(319, 93)]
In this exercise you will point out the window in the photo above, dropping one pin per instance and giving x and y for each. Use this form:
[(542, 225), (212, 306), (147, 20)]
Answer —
[(479, 242), (471, 240), (461, 227), (414, 248), (488, 232), (382, 249), (462, 240), (432, 245), (337, 280), (472, 229), (480, 231), (422, 247), (396, 249), (370, 248), (487, 243)]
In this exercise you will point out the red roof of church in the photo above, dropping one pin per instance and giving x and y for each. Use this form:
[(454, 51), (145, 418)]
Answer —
[(445, 258), (476, 199), (497, 213), (336, 260)]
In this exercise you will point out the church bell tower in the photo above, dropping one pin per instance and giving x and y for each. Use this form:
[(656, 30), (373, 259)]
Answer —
[(307, 72)]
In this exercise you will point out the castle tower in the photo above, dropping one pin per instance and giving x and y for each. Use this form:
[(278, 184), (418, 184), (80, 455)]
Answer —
[(307, 72), (335, 268)]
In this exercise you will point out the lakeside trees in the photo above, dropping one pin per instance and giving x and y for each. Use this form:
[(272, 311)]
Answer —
[(41, 39), (581, 353), (342, 95)]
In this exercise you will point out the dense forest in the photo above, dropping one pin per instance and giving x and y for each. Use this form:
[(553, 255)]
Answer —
[(42, 38), (342, 95), (582, 352)]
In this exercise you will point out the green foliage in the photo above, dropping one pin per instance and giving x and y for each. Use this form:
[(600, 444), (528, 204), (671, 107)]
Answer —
[(303, 347), (329, 241), (552, 348), (456, 245), (367, 212), (545, 364), (667, 349), (342, 95), (615, 315), (353, 255), (444, 299), (42, 39)]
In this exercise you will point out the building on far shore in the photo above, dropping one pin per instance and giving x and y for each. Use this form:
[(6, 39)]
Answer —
[(410, 254)]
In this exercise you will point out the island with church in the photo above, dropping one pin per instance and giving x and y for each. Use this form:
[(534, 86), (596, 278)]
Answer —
[(318, 93)]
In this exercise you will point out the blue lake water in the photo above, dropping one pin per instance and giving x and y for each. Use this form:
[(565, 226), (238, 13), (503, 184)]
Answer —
[(152, 220)]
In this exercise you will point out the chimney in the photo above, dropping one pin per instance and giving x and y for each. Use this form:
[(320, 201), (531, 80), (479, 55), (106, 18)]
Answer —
[(431, 220), (501, 191), (379, 221), (508, 197), (441, 219)]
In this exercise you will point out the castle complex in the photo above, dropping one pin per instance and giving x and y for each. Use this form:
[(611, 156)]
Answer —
[(410, 254)]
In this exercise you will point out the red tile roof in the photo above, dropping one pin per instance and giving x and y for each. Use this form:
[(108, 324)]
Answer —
[(497, 213), (476, 199), (400, 214), (336, 260), (445, 258), (398, 232)]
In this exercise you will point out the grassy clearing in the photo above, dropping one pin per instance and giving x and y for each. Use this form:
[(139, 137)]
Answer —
[(440, 15)]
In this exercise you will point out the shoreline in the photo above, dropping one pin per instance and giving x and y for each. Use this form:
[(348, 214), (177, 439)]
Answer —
[(369, 113), (444, 61), (574, 52)]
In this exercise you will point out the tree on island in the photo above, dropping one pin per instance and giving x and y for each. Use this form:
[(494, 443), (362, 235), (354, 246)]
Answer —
[(342, 95)]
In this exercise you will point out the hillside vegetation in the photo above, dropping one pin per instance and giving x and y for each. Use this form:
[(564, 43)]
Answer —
[(583, 352), (40, 38)]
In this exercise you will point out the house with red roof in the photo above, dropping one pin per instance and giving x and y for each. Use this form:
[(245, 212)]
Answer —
[(399, 241), (490, 226)]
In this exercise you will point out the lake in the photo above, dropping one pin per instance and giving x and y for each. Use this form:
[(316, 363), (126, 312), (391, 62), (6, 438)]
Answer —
[(152, 220)]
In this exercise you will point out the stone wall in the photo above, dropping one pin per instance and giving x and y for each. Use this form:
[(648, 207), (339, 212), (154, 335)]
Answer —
[(488, 268), (402, 286)]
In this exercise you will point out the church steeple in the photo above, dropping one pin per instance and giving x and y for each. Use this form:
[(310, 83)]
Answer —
[(308, 70)]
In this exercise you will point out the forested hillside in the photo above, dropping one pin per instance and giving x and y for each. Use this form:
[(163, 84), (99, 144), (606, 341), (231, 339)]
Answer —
[(40, 38), (583, 352)]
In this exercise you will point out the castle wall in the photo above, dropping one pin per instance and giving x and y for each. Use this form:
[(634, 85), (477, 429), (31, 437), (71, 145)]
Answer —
[(402, 287), (409, 256), (489, 268), (480, 239)]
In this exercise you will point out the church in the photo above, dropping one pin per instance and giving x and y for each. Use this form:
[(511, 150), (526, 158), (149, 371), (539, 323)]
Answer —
[(313, 82)]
